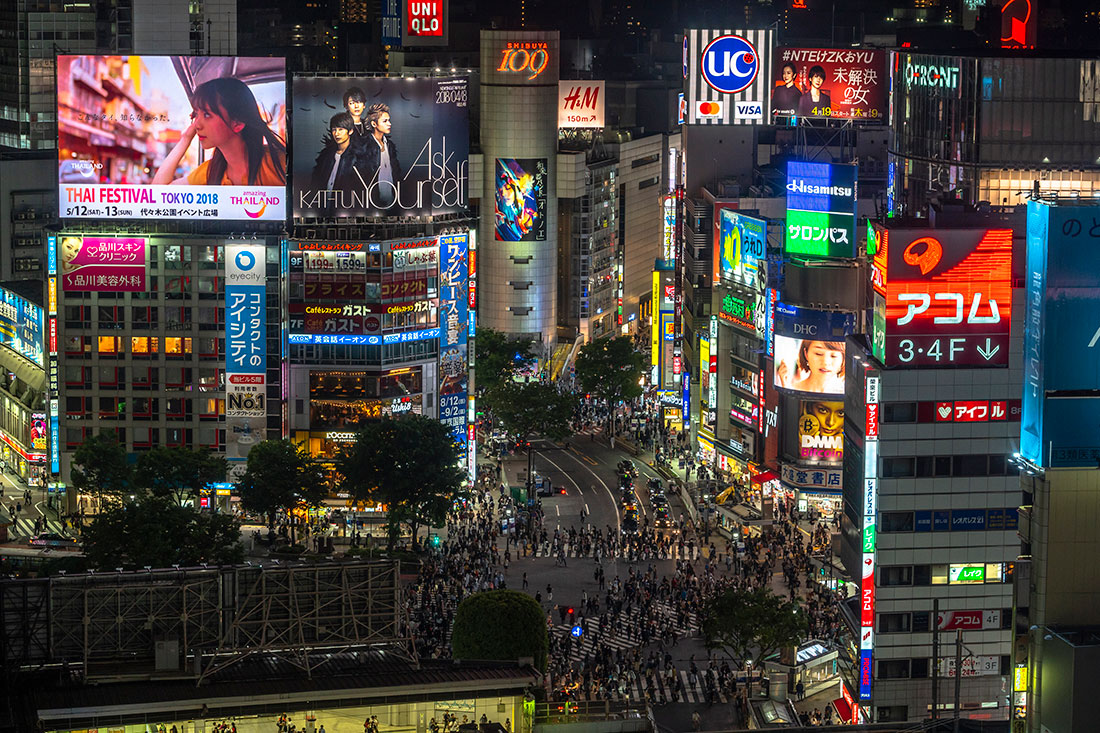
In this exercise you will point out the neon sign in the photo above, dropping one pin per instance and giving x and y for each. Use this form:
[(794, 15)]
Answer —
[(525, 57)]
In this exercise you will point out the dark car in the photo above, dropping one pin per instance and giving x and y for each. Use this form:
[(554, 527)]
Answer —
[(630, 521), (661, 516), (626, 483), (629, 498), (658, 501), (626, 466), (655, 486)]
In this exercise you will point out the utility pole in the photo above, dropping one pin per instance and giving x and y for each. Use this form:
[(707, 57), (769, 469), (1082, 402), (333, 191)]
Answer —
[(935, 658), (958, 674)]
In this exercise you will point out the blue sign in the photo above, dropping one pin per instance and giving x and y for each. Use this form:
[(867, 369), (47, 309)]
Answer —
[(455, 327), (967, 520), (816, 325), (22, 327), (245, 309), (577, 631), (1058, 425), (391, 23), (363, 339), (730, 64), (865, 674), (941, 520), (685, 402), (923, 521)]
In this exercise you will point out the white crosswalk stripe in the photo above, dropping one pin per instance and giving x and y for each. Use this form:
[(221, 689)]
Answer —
[(662, 691), (623, 637), (24, 527), (572, 552)]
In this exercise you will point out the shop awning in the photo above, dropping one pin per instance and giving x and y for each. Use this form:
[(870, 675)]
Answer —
[(764, 477), (843, 709)]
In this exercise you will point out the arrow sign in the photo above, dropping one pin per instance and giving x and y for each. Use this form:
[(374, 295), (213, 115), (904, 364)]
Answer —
[(988, 353)]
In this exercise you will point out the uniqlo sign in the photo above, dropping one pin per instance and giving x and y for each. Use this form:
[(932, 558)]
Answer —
[(424, 18), (948, 296)]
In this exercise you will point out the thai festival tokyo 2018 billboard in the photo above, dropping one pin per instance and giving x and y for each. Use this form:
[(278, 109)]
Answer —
[(372, 146), (171, 137)]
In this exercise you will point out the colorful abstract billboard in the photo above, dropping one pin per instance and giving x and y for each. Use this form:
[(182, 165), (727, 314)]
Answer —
[(821, 209), (727, 76), (22, 327), (371, 146), (172, 137), (103, 264), (521, 189), (844, 84), (948, 296), (743, 246)]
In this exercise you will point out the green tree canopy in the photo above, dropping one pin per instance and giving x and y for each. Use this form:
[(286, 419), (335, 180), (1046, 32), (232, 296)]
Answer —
[(500, 625), (178, 473), (278, 477), (751, 624), (411, 464), (610, 369), (158, 532), (498, 356), (100, 468), (533, 408)]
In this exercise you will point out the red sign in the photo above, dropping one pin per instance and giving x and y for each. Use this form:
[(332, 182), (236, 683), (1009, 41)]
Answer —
[(867, 604), (948, 296), (976, 411), (968, 620), (1019, 23), (425, 18), (872, 421), (247, 378)]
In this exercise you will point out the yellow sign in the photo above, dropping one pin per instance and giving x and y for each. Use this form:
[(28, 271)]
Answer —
[(655, 320), (1019, 679)]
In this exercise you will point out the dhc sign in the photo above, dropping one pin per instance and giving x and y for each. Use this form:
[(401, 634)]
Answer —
[(730, 63)]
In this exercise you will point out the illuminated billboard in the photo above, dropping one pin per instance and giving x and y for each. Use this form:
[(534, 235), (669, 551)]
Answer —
[(103, 264), (171, 137), (580, 104), (414, 23), (948, 296), (245, 351), (821, 432), (809, 365), (22, 327), (1061, 337), (521, 187), (453, 339), (372, 146), (727, 76), (844, 84), (821, 209), (743, 246)]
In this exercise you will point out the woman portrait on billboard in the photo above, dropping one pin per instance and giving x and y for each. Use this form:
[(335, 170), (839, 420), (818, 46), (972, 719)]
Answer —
[(226, 119), (819, 368), (815, 100), (786, 96)]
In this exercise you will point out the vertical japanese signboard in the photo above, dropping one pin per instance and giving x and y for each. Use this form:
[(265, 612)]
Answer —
[(52, 367), (821, 209), (870, 501), (245, 351), (454, 327)]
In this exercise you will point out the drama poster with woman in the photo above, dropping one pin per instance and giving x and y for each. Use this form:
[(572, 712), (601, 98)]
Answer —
[(172, 137), (378, 146)]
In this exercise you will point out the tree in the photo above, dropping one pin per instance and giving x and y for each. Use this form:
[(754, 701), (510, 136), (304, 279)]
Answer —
[(498, 356), (158, 532), (502, 625), (744, 623), (280, 476), (411, 464), (100, 468), (179, 473), (534, 408), (610, 369)]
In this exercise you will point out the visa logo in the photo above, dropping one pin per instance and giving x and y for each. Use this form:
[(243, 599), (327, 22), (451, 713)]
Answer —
[(749, 111)]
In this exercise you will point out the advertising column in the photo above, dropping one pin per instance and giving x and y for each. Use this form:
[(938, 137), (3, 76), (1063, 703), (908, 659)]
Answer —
[(245, 352), (52, 367), (870, 501), (454, 331), (519, 211)]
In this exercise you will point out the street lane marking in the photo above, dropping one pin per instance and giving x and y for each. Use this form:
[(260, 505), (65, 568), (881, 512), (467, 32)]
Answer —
[(610, 495)]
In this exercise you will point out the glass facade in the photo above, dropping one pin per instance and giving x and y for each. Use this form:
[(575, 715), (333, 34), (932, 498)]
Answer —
[(985, 129)]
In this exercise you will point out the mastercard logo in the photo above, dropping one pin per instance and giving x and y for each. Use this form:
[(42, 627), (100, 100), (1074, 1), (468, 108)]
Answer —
[(708, 109)]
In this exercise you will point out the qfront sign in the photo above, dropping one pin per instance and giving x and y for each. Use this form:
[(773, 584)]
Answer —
[(727, 76)]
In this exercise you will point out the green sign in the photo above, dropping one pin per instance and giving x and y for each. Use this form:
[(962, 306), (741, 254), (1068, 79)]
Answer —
[(878, 329), (869, 538), (820, 233), (967, 574)]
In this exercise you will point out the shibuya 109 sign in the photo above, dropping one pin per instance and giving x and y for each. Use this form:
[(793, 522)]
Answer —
[(526, 58)]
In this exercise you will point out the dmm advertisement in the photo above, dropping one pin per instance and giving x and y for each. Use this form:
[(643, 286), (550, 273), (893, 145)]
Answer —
[(821, 209), (840, 83), (521, 188), (821, 432), (371, 146), (171, 137)]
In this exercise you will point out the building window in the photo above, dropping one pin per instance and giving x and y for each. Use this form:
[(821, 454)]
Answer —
[(893, 623), (896, 575), (899, 412), (898, 467), (895, 522), (893, 669), (893, 713)]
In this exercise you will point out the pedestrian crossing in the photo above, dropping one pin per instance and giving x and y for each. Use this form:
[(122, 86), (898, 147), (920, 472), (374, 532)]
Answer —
[(658, 689), (24, 527), (622, 637), (574, 551)]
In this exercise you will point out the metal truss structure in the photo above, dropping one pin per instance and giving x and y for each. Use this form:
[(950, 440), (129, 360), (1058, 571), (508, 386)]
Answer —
[(204, 618)]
